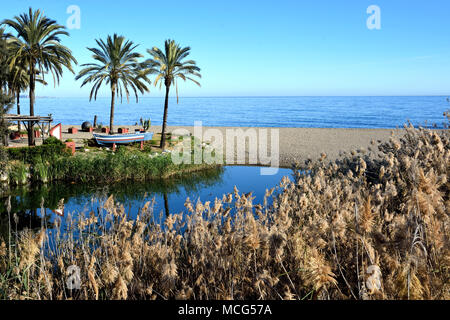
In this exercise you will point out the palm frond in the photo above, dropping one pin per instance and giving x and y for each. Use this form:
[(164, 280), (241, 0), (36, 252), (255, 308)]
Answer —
[(170, 64)]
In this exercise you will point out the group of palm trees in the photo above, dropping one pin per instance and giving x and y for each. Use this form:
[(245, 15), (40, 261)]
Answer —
[(36, 50)]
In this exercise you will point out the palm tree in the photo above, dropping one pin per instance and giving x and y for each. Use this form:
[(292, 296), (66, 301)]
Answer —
[(18, 81), (170, 66), (38, 44), (118, 67), (4, 69)]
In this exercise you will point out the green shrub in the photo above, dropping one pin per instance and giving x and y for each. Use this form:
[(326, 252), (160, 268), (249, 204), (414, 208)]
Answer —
[(106, 167), (53, 141), (49, 162), (49, 151)]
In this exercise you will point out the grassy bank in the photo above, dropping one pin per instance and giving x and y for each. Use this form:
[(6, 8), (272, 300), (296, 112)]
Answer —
[(52, 162), (359, 228)]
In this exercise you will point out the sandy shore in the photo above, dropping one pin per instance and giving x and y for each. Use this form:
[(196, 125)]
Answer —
[(294, 143)]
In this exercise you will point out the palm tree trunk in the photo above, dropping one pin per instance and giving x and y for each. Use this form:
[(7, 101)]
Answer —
[(18, 109), (31, 140), (111, 116), (166, 108)]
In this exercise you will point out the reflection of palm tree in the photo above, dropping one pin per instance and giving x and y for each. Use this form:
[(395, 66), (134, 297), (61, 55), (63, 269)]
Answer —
[(29, 219), (166, 204)]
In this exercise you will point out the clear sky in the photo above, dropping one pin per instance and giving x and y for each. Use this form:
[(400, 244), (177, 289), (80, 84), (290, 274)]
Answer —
[(273, 48)]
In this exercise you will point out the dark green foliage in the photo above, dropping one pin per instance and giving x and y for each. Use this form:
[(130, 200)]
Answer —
[(3, 160), (170, 66), (48, 152), (52, 162), (4, 73), (53, 141), (117, 66), (5, 106), (123, 165), (37, 48)]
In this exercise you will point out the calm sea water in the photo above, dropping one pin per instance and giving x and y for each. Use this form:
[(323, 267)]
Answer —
[(318, 112)]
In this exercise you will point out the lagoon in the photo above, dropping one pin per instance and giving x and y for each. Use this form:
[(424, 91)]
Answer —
[(169, 195)]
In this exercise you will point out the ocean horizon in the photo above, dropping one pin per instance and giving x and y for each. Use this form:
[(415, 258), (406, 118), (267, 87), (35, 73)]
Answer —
[(253, 111)]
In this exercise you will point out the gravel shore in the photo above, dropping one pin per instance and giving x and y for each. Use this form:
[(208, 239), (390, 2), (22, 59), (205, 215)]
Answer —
[(295, 144)]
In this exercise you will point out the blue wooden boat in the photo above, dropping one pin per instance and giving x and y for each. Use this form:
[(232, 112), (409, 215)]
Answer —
[(105, 139)]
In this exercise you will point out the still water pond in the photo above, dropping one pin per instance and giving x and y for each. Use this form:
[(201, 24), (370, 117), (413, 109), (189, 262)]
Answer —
[(169, 195)]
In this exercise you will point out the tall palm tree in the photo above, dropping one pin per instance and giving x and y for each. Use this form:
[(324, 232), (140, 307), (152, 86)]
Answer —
[(117, 67), (18, 81), (38, 43), (170, 66)]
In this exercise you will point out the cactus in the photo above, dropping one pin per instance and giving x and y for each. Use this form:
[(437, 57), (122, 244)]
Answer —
[(146, 124)]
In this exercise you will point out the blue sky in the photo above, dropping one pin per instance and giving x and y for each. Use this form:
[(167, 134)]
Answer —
[(272, 48)]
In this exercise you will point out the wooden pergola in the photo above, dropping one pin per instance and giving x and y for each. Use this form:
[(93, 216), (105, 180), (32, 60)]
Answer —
[(44, 123)]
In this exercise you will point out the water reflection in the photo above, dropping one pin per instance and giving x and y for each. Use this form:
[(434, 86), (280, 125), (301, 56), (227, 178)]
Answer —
[(25, 198), (170, 195)]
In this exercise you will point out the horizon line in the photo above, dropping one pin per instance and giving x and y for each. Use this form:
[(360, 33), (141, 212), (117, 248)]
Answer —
[(257, 96)]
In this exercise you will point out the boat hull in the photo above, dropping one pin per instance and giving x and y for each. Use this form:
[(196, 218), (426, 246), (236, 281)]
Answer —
[(122, 138)]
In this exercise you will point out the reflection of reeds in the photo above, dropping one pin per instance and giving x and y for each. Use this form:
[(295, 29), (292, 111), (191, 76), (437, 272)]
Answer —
[(363, 227)]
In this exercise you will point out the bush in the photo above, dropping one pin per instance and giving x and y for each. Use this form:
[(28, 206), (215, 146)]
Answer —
[(53, 141), (48, 151)]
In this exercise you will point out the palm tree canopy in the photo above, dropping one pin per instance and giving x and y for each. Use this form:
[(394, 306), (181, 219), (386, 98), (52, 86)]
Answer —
[(170, 64), (117, 66), (4, 69), (19, 79), (38, 43)]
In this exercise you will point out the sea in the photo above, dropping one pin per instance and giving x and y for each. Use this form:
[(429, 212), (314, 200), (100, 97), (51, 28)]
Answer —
[(298, 112)]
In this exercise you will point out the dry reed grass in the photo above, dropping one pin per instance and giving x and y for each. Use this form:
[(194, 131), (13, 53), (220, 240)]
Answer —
[(368, 226)]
